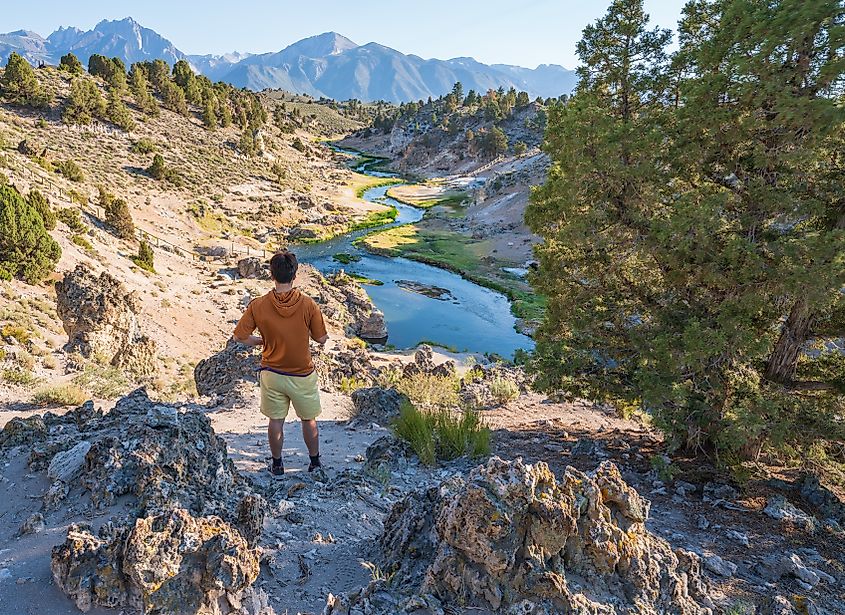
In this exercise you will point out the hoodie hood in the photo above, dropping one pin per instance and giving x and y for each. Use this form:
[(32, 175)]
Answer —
[(286, 304)]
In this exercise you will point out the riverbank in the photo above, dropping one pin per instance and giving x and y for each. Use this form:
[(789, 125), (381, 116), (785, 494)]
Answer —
[(461, 254)]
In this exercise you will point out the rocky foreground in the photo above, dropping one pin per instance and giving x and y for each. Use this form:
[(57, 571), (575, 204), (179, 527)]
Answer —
[(143, 510)]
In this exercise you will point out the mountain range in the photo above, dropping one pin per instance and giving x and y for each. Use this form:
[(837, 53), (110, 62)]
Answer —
[(327, 65)]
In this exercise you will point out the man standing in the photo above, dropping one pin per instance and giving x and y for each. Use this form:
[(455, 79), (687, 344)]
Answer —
[(286, 319)]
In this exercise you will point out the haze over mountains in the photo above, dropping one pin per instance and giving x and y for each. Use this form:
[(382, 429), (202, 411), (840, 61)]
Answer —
[(328, 64)]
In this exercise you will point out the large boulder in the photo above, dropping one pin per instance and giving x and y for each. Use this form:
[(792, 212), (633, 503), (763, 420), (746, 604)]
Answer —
[(510, 538), (252, 267), (376, 404), (168, 564), (100, 318), (373, 327)]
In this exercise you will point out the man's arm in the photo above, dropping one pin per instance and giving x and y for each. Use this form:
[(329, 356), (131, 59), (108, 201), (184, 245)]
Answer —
[(243, 331), (249, 340), (316, 326)]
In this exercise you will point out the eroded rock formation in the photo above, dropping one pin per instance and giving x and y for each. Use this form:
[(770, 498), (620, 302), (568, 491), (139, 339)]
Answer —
[(186, 544), (512, 539), (100, 318), (228, 374)]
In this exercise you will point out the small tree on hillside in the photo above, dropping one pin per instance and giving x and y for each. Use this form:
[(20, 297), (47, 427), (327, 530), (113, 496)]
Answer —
[(118, 112), (494, 142), (145, 101), (20, 85), (84, 103), (157, 170), (174, 98), (209, 113), (26, 249), (69, 63), (145, 257), (119, 218), (40, 204)]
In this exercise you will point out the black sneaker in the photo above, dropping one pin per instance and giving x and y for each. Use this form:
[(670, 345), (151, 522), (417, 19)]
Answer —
[(315, 463), (276, 470)]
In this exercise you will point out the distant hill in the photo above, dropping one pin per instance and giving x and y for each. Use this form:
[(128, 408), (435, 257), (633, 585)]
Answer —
[(327, 65)]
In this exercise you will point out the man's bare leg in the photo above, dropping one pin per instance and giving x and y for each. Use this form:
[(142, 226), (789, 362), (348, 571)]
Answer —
[(311, 435), (276, 437)]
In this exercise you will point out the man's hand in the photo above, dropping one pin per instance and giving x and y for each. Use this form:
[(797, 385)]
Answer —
[(252, 340), (322, 340)]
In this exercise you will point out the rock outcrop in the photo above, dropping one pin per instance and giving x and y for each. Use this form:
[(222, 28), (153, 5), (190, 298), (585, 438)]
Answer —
[(228, 374), (100, 318), (167, 564), (512, 539), (186, 543), (376, 405)]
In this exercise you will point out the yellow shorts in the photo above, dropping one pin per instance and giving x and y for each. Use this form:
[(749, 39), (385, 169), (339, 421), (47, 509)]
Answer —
[(278, 391)]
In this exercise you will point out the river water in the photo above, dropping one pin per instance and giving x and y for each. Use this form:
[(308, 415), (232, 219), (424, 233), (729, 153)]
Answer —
[(470, 317)]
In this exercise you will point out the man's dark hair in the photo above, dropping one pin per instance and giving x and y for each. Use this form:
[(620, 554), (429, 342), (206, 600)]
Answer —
[(283, 266)]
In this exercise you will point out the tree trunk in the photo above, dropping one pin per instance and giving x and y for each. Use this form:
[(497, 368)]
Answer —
[(784, 358)]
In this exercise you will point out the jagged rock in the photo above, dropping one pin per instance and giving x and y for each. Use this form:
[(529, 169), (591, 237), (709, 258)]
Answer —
[(778, 507), (166, 564), (251, 267), (229, 373), (511, 538), (374, 327), (349, 363), (250, 517), (22, 430), (100, 318), (376, 405), (33, 524), (477, 385), (67, 465), (719, 566)]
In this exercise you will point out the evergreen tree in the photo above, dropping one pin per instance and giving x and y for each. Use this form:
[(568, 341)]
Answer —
[(117, 215), (26, 249), (209, 113), (522, 100), (69, 63), (158, 73), (157, 170), (117, 111), (99, 66), (84, 103), (458, 92), (145, 257), (174, 98), (40, 204), (20, 85), (145, 101), (693, 228), (494, 142)]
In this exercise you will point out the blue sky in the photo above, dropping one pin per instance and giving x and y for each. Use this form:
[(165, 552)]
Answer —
[(522, 32)]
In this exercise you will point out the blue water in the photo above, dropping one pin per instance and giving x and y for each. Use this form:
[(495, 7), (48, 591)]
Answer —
[(474, 318)]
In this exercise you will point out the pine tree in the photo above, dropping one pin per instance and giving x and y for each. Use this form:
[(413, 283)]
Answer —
[(209, 113), (693, 226), (20, 85), (118, 217), (118, 113), (145, 101), (174, 98), (145, 257), (69, 63), (26, 249), (39, 203), (157, 170), (84, 103)]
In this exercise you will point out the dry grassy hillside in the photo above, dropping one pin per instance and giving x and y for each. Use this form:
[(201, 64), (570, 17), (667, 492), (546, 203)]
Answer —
[(221, 199)]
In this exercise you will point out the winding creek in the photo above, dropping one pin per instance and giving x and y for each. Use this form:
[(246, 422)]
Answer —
[(469, 317)]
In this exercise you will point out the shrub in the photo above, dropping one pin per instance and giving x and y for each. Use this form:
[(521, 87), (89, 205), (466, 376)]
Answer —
[(429, 391), (26, 249), (503, 389), (119, 218), (519, 148), (69, 169), (20, 85), (60, 395), (443, 434), (348, 384), (143, 146), (83, 243), (298, 145), (40, 204), (85, 102), (157, 169), (69, 63), (103, 381), (145, 256), (70, 217), (17, 332), (19, 376)]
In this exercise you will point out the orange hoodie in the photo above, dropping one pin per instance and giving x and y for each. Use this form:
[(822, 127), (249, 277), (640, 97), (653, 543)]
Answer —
[(285, 321)]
